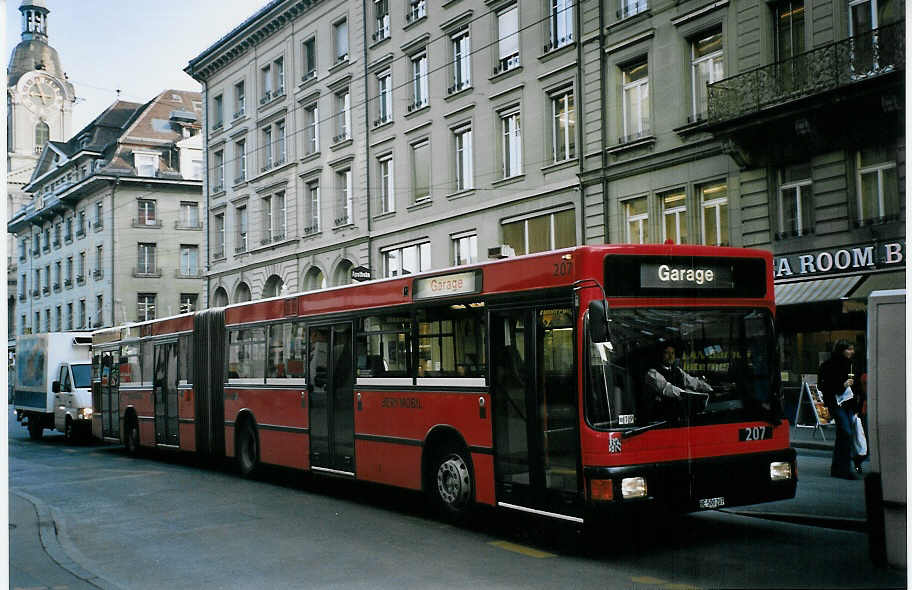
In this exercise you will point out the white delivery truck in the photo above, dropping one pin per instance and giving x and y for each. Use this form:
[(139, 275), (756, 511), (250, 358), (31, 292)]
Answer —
[(54, 383)]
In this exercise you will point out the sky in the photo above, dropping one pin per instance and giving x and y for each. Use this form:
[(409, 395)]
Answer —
[(136, 46)]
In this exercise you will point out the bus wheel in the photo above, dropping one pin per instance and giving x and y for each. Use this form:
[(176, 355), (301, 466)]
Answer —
[(248, 452), (452, 485), (131, 441), (36, 431)]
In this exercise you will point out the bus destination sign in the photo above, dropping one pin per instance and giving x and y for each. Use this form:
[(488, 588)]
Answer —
[(685, 276), (461, 283)]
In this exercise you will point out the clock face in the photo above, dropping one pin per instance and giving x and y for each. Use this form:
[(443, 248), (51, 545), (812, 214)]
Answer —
[(42, 93)]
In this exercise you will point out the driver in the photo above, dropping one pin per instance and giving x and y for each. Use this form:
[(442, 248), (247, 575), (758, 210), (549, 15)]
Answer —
[(668, 380)]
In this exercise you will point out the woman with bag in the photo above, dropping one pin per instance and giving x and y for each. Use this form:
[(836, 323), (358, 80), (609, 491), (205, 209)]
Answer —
[(835, 379)]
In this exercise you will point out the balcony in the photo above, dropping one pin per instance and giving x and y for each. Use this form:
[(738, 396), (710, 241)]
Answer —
[(839, 65), (147, 272)]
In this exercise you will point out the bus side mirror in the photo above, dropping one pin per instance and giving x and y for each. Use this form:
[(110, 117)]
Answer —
[(598, 322), (55, 386)]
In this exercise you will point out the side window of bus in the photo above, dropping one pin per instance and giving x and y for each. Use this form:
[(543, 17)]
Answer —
[(147, 362), (129, 364), (287, 356), (384, 346), (451, 341), (246, 353), (185, 368)]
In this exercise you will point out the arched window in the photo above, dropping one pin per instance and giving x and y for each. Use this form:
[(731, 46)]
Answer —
[(274, 287), (42, 134), (343, 275), (220, 297), (314, 279), (242, 293)]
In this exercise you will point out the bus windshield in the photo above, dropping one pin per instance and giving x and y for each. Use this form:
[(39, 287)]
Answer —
[(677, 366), (82, 375)]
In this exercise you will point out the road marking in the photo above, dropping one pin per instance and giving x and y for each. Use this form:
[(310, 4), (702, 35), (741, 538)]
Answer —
[(647, 580), (663, 583), (527, 551)]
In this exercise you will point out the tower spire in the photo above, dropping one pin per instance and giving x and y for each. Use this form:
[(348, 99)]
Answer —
[(34, 20)]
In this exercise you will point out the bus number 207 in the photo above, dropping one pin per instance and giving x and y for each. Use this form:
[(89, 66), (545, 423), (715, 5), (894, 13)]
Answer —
[(563, 269)]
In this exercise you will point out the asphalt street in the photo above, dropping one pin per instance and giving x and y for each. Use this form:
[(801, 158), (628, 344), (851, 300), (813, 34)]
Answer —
[(90, 516)]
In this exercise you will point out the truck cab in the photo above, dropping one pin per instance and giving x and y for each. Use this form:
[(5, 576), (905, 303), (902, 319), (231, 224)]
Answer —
[(73, 399)]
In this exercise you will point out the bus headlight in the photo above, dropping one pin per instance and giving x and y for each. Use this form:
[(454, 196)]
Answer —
[(85, 413), (633, 487), (780, 470)]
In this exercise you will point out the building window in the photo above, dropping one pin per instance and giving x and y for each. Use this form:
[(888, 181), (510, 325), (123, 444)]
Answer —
[(463, 158), (507, 39), (241, 218), (189, 214), (145, 260), (313, 201), (381, 20), (865, 17), (42, 134), (280, 145), (340, 40), (629, 8), (386, 194), (636, 217), (37, 324), (189, 260), (58, 275), (417, 9), (69, 316), (563, 140), (82, 266), (560, 23), (218, 182), (789, 24), (240, 100), (877, 188), (674, 216), (540, 232), (462, 54), (58, 319), (82, 314), (707, 67), (218, 114), (81, 224), (240, 161), (343, 116), (146, 164), (795, 201), (145, 307), (465, 249), (312, 129), (419, 82), (68, 234), (47, 320), (309, 54), (99, 311), (219, 237), (273, 80), (274, 217), (47, 278), (188, 302), (99, 262), (421, 171), (344, 202), (403, 260), (714, 212), (99, 215), (636, 101), (384, 98), (69, 272), (267, 148), (146, 213), (511, 144)]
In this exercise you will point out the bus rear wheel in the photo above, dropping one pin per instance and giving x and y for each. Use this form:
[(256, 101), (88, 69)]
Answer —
[(452, 487), (248, 451)]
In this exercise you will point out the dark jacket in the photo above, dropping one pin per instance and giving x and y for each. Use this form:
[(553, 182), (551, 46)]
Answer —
[(831, 376)]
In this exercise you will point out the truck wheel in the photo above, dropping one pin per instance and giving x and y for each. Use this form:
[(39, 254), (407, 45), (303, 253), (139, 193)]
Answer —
[(452, 485), (131, 441), (248, 451), (36, 431)]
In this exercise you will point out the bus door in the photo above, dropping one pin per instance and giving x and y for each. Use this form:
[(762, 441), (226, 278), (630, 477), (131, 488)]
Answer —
[(110, 393), (165, 393), (535, 410), (332, 412)]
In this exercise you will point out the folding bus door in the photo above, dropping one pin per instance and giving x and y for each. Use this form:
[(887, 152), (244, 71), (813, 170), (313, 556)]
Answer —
[(535, 410), (110, 394), (332, 412), (165, 393)]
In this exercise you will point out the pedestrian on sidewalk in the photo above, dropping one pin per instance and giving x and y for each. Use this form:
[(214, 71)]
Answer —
[(834, 377)]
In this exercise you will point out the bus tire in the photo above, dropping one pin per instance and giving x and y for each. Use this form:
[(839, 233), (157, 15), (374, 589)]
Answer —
[(131, 439), (248, 449), (36, 430), (452, 484)]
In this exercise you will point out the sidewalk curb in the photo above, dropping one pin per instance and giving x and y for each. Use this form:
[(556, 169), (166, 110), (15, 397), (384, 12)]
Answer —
[(858, 525), (52, 533)]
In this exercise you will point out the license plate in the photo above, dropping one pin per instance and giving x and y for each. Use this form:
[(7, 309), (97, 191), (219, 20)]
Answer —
[(755, 433), (708, 503)]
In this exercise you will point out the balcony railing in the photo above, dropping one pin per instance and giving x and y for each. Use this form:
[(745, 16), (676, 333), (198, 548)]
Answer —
[(312, 229), (218, 254), (149, 223), (506, 64), (310, 75), (342, 220), (147, 272), (458, 86), (838, 64), (188, 225), (240, 113), (418, 104)]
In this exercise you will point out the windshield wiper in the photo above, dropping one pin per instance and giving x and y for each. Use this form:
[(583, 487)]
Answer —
[(642, 429)]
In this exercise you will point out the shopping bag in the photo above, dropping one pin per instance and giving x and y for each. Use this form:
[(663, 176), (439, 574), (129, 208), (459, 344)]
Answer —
[(845, 396), (861, 442)]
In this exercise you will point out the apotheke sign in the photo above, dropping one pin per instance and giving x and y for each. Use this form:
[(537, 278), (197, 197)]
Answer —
[(837, 260)]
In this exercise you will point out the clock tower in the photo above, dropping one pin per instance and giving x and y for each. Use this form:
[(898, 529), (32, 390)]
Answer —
[(39, 107)]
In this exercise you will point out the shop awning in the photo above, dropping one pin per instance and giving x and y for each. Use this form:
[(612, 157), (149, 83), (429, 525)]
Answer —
[(879, 282), (816, 290)]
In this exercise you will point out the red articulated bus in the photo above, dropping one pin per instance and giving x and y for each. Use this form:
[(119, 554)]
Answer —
[(562, 384)]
